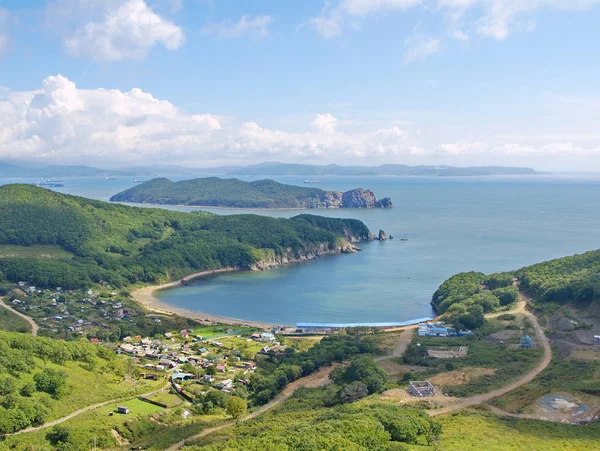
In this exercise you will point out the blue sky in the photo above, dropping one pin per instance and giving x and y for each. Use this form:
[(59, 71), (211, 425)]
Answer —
[(207, 82)]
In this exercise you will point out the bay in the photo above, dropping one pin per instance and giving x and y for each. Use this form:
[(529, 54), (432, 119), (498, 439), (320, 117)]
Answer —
[(483, 224)]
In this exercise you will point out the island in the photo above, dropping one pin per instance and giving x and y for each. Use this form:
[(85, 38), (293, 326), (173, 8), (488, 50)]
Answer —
[(234, 193)]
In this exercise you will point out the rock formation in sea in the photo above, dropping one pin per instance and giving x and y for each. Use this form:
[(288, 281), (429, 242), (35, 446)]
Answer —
[(382, 236)]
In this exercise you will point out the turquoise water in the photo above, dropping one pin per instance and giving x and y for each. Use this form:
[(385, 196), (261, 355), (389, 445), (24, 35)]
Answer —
[(453, 225)]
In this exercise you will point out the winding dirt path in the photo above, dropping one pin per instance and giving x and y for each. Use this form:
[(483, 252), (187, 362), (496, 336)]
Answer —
[(34, 326), (318, 379), (485, 397), (400, 346), (87, 409)]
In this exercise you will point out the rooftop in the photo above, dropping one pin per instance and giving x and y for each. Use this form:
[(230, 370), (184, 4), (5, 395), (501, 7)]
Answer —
[(341, 325)]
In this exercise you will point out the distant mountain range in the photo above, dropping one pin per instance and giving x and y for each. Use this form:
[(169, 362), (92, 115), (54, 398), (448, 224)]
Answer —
[(217, 192), (262, 169)]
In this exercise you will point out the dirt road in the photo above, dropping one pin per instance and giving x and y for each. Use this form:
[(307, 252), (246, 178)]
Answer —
[(485, 397), (87, 409), (318, 379), (400, 346), (34, 326)]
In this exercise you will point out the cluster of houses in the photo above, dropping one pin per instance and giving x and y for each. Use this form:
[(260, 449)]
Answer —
[(75, 311), (171, 357), (440, 329)]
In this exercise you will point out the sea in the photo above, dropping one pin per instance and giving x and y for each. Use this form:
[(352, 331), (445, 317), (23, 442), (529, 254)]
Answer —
[(451, 225)]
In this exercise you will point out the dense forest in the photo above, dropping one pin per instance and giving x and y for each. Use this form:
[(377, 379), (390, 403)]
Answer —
[(97, 241), (570, 279), (465, 297), (217, 192)]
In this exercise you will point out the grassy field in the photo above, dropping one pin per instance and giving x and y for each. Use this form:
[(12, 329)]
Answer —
[(13, 323), (88, 387), (34, 251), (170, 399), (221, 330), (480, 431)]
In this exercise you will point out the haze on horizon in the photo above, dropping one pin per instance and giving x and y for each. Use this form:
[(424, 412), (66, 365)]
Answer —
[(352, 82)]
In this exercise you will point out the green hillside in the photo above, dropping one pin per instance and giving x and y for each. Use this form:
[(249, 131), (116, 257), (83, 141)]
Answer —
[(217, 192), (213, 191), (96, 241), (465, 297)]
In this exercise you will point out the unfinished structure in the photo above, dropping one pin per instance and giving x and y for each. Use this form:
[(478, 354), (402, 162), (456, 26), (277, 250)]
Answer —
[(421, 388)]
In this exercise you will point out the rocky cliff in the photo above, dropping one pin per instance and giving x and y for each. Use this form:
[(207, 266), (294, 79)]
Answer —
[(272, 260), (356, 198)]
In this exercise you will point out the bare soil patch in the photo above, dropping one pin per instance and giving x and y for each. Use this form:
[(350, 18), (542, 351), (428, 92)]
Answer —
[(461, 376)]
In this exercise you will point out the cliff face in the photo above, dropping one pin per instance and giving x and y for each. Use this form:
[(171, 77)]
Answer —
[(356, 198), (273, 261)]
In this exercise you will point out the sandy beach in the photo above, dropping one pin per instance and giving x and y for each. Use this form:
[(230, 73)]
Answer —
[(145, 297)]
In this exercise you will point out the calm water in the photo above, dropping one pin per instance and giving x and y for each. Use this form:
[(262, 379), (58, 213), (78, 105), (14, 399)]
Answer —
[(453, 225)]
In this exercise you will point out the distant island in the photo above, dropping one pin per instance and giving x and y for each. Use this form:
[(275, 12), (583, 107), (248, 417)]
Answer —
[(234, 193), (30, 169), (385, 169)]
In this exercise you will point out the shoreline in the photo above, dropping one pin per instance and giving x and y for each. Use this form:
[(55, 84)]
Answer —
[(145, 297)]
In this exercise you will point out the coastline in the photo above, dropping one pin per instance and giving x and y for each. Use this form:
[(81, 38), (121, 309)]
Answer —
[(145, 297)]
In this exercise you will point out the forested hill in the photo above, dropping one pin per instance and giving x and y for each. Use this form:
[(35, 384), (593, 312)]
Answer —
[(465, 297), (52, 239), (217, 192), (570, 279)]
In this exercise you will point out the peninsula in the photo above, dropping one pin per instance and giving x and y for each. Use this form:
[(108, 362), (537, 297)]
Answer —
[(57, 240), (234, 193)]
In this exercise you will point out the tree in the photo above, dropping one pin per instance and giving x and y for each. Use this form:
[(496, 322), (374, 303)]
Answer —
[(8, 384), (236, 406), (59, 435), (433, 433), (211, 370), (353, 392), (52, 382)]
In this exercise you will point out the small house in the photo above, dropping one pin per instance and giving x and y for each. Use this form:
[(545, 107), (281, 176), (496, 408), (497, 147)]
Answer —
[(221, 368), (123, 410), (267, 337), (527, 342), (94, 340), (168, 335), (208, 378), (597, 339), (183, 333), (225, 384)]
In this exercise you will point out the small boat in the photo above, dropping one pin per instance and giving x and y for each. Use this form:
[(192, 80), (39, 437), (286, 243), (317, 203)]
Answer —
[(54, 181), (139, 181), (111, 178), (312, 182)]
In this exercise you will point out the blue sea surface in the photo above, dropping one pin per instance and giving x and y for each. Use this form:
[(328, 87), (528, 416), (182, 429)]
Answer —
[(483, 224)]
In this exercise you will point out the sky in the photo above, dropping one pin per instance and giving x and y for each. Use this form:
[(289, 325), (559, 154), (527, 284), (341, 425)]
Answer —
[(213, 82)]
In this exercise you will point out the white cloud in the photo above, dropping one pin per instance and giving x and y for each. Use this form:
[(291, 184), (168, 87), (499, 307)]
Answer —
[(418, 47), (488, 18), (330, 23), (246, 26), (118, 31), (62, 123), (324, 123)]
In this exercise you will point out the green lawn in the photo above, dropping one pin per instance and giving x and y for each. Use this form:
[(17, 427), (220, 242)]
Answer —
[(220, 330), (34, 251)]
